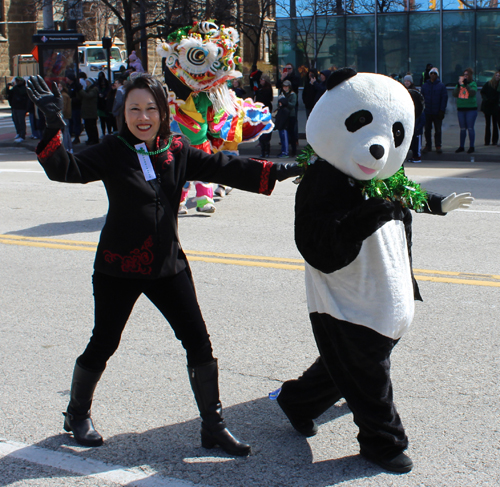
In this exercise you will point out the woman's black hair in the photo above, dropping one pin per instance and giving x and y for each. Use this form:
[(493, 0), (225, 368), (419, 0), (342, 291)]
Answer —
[(148, 82)]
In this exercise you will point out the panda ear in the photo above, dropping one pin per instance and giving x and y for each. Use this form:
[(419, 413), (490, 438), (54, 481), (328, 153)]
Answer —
[(339, 76), (418, 101)]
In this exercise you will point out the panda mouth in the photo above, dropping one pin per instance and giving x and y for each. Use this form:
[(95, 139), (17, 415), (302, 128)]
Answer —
[(367, 170)]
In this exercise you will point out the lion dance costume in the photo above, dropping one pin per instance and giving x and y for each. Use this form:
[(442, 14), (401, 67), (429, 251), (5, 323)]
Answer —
[(199, 64)]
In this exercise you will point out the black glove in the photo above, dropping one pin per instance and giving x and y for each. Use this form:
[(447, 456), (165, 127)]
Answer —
[(288, 170), (49, 102), (440, 114)]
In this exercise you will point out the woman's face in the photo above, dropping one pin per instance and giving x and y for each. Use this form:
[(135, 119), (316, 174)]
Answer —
[(142, 115), (497, 75)]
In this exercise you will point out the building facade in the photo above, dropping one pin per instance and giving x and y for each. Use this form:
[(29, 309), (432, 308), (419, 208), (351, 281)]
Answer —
[(21, 19), (395, 37)]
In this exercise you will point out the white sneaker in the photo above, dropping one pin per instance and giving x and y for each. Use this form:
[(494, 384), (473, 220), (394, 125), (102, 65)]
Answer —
[(228, 190), (220, 191), (182, 209), (208, 208), (18, 139)]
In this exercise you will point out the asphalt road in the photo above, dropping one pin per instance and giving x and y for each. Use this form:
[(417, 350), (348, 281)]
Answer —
[(445, 370)]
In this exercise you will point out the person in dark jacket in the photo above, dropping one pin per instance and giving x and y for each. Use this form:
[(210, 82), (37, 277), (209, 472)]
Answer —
[(320, 84), (281, 125), (288, 74), (418, 100), (425, 75), (104, 88), (254, 78), (18, 101), (238, 89), (436, 99), (265, 96), (309, 93), (490, 97), (143, 170), (89, 97)]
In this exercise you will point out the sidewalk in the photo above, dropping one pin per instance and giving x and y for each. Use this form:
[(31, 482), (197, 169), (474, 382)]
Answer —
[(450, 140)]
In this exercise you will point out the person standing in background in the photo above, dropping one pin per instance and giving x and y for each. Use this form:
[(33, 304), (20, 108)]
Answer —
[(264, 95), (66, 113), (18, 101), (490, 97), (89, 111), (254, 79), (465, 93), (309, 93), (118, 102), (291, 98), (436, 99)]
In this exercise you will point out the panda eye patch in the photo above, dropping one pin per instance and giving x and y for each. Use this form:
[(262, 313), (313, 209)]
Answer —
[(399, 133), (358, 120)]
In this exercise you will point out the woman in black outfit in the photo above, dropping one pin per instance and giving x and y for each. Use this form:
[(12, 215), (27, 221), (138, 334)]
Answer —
[(265, 95), (143, 170)]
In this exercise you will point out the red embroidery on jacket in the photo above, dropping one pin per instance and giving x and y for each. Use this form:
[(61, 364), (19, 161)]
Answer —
[(138, 261), (264, 176), (175, 146), (51, 147)]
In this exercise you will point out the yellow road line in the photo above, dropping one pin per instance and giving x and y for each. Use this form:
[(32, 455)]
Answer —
[(454, 277)]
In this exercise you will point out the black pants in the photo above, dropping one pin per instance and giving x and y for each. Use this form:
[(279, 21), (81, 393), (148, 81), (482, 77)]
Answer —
[(292, 134), (174, 297), (91, 129), (354, 364), (429, 121), (491, 133)]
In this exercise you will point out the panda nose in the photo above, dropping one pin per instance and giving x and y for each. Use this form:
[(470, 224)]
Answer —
[(377, 151)]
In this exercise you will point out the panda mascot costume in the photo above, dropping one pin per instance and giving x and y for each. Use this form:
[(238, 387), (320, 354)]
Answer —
[(353, 228)]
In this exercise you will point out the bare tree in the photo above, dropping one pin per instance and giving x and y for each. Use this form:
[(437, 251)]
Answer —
[(252, 20)]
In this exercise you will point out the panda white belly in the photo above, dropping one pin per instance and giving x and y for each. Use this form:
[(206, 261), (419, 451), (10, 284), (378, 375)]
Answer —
[(375, 290)]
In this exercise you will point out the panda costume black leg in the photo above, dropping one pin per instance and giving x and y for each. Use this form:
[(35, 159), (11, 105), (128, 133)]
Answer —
[(309, 396), (353, 228)]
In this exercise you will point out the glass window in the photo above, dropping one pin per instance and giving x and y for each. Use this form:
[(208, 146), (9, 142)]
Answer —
[(424, 43), (384, 6), (487, 3), (392, 48), (433, 5), (331, 43), (295, 41), (488, 46), (359, 6), (360, 38), (458, 4), (458, 45)]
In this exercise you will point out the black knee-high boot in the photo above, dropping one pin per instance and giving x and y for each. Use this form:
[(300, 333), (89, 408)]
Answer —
[(78, 418), (204, 381)]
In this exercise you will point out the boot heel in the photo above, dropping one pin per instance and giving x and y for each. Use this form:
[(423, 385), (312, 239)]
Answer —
[(66, 425)]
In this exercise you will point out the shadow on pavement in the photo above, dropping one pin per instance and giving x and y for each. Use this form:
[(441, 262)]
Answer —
[(62, 228), (280, 455)]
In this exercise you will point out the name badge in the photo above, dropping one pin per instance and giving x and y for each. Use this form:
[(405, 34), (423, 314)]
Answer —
[(145, 161)]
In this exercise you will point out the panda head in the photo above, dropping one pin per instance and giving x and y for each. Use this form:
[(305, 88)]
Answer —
[(363, 124)]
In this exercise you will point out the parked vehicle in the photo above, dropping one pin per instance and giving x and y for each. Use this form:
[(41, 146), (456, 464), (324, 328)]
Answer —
[(92, 58)]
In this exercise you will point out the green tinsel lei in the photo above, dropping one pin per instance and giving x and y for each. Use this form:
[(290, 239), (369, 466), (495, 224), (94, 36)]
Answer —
[(395, 188), (307, 157)]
